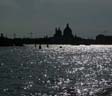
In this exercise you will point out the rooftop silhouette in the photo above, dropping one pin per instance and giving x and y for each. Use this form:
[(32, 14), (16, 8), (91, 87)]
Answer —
[(64, 36)]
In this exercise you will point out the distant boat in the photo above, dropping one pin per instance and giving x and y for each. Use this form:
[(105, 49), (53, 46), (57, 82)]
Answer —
[(60, 47), (47, 45), (40, 46)]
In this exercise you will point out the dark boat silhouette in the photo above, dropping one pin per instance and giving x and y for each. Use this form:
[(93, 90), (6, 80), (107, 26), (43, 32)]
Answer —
[(40, 47)]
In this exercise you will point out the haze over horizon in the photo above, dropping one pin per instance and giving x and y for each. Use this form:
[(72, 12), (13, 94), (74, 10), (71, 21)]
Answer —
[(87, 18)]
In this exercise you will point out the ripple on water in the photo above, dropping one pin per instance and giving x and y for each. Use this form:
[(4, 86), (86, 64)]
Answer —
[(66, 71)]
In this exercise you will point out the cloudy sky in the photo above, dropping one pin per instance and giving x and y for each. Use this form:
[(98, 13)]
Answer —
[(86, 17)]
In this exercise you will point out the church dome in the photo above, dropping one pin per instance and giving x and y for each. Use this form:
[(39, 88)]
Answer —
[(67, 32)]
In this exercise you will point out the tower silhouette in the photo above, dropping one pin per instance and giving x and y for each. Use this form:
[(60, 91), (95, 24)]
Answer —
[(1, 35), (58, 36), (58, 33)]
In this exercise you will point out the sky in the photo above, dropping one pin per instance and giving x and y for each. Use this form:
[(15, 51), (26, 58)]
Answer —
[(87, 18)]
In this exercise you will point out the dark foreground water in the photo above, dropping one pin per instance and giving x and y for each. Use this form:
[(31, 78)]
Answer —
[(54, 71)]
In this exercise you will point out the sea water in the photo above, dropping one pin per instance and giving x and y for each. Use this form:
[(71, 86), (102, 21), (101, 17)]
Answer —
[(54, 71)]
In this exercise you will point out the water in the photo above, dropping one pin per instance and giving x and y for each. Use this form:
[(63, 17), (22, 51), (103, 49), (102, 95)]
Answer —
[(79, 70)]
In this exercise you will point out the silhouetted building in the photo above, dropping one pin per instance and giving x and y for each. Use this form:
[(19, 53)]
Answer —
[(58, 33), (102, 39), (57, 38), (5, 41), (67, 35), (2, 35)]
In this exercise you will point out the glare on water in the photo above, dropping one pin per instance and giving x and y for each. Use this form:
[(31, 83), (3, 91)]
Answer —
[(54, 71)]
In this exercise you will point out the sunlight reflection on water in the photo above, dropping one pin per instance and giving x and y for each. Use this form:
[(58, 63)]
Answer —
[(54, 71)]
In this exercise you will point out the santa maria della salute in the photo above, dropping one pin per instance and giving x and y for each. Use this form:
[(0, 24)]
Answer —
[(64, 36)]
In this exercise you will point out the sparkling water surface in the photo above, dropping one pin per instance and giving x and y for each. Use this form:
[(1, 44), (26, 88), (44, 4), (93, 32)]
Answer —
[(67, 71)]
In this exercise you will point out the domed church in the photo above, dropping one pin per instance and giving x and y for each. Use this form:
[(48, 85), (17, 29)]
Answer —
[(67, 34)]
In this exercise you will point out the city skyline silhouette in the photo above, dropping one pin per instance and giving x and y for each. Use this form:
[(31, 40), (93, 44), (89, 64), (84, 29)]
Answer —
[(64, 36)]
